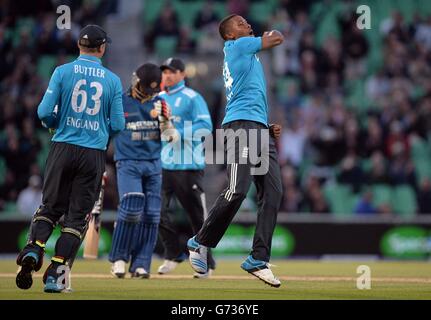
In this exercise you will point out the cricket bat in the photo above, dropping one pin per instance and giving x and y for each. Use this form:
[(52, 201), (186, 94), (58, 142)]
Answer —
[(91, 244)]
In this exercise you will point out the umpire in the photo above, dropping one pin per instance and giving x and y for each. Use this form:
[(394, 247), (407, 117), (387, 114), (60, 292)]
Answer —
[(83, 104), (184, 180)]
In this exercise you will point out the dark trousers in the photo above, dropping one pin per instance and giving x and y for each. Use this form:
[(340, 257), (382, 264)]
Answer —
[(186, 185), (268, 186), (72, 182)]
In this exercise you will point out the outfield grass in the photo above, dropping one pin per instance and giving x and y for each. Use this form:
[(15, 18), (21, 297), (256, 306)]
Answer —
[(300, 280)]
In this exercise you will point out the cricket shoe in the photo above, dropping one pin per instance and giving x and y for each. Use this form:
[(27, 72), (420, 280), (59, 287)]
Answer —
[(67, 279), (37, 250), (198, 256), (28, 263), (140, 273), (167, 266), (118, 269), (203, 275), (261, 270), (170, 265), (54, 283), (30, 260)]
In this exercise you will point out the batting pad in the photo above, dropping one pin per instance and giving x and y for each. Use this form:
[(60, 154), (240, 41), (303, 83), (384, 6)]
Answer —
[(147, 233), (125, 232), (152, 208), (131, 206)]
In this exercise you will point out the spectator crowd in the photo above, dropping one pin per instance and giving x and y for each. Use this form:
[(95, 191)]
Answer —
[(355, 104)]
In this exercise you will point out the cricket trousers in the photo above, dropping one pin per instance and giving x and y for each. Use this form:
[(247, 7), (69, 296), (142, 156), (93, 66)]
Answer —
[(186, 186), (253, 159), (135, 233), (72, 183)]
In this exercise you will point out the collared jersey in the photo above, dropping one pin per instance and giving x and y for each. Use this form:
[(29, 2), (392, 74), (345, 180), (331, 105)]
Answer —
[(141, 138), (191, 117), (244, 81), (83, 103)]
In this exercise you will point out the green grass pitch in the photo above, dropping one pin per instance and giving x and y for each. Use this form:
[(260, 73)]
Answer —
[(300, 280)]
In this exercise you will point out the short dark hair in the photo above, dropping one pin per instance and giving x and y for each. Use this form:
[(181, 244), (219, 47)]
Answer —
[(223, 26), (88, 50)]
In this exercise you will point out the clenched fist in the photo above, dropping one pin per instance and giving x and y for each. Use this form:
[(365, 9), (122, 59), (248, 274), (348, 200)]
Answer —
[(275, 130), (163, 110)]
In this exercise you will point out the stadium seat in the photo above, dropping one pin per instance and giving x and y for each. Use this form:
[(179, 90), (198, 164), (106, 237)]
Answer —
[(366, 165), (42, 156), (356, 96), (197, 35), (420, 149), (317, 10), (46, 65), (407, 8), (2, 170), (151, 11), (282, 85), (165, 46), (187, 11), (304, 167), (423, 8), (23, 24), (328, 26), (385, 7), (44, 138), (375, 57), (220, 9), (404, 201), (423, 168), (10, 208), (382, 194), (340, 198), (261, 11)]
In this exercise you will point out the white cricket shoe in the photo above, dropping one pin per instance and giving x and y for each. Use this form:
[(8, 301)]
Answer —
[(261, 270), (167, 266), (118, 269), (267, 276), (203, 275), (198, 255), (140, 273)]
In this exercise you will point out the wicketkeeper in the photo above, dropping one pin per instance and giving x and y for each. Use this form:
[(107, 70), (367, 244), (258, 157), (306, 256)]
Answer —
[(83, 104)]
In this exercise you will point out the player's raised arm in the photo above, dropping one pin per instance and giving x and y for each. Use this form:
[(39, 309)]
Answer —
[(271, 39), (45, 111)]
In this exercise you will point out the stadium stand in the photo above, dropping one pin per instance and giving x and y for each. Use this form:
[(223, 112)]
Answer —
[(356, 105)]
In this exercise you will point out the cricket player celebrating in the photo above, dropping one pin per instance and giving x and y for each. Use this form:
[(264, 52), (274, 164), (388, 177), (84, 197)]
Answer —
[(83, 104), (246, 111), (137, 156)]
